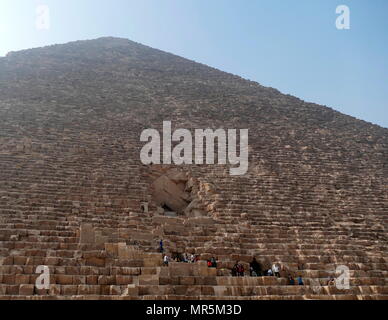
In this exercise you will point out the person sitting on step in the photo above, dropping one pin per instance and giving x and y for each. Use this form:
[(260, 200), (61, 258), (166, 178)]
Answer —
[(235, 270), (331, 281), (213, 262), (300, 280), (255, 267), (240, 270), (291, 280)]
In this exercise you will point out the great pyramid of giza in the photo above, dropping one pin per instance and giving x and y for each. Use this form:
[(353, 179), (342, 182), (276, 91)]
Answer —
[(76, 199)]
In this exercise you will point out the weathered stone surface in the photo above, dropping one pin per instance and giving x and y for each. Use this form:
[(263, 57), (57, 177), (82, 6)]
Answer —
[(168, 192), (148, 280), (87, 233), (26, 290)]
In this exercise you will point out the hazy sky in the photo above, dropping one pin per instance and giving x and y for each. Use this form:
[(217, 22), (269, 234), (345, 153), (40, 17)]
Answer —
[(291, 45)]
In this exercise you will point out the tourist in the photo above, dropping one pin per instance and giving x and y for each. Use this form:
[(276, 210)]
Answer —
[(209, 263), (275, 270), (331, 281), (235, 270), (269, 273), (291, 280), (213, 262), (300, 280), (240, 270), (192, 258), (255, 267), (166, 260), (161, 249)]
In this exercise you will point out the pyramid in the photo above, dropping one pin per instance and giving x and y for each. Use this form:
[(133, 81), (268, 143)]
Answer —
[(77, 201)]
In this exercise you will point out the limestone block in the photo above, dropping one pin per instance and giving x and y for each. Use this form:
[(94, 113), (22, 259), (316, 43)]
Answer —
[(207, 290), (163, 271), (22, 279), (166, 220), (69, 290), (93, 261), (148, 280), (115, 290), (87, 234), (4, 261), (105, 280), (100, 238), (131, 290), (124, 280), (88, 289), (55, 290), (223, 281), (193, 291), (212, 272), (19, 260), (220, 291), (135, 235), (3, 289), (9, 278), (111, 249), (200, 220), (12, 289), (26, 289), (168, 192), (152, 262), (186, 281), (181, 269), (64, 279), (92, 280), (269, 281), (123, 253)]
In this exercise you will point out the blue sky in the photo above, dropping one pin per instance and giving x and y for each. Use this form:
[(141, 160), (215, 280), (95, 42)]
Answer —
[(291, 45)]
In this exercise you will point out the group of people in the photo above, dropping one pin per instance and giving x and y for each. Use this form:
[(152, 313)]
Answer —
[(180, 258), (256, 270), (238, 270), (291, 280)]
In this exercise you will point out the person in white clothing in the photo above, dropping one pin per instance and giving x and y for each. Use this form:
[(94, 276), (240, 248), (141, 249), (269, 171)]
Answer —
[(166, 259), (276, 270)]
